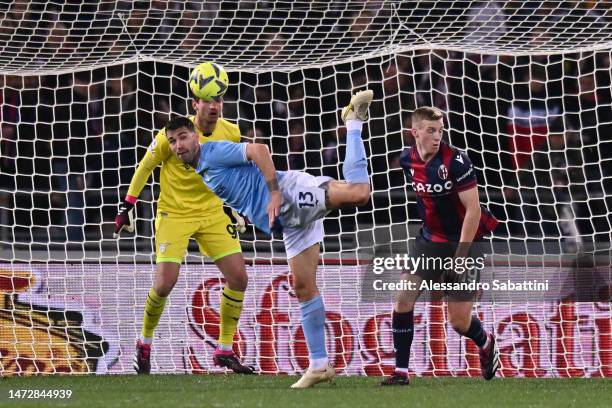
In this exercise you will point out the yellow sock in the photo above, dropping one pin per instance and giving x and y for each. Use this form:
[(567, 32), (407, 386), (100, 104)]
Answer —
[(231, 307), (153, 311)]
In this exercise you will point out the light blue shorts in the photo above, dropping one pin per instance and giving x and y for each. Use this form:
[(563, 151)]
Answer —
[(302, 211)]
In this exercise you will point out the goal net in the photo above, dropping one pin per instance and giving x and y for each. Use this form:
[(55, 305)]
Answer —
[(525, 88)]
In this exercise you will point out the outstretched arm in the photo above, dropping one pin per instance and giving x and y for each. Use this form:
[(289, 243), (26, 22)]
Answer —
[(156, 153), (153, 157), (260, 155), (142, 174)]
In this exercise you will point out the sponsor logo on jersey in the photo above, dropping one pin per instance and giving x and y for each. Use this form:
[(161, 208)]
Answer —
[(152, 146), (432, 188), (459, 158), (470, 171)]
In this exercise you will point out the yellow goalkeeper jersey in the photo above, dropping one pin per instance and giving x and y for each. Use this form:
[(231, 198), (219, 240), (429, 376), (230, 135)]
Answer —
[(183, 193)]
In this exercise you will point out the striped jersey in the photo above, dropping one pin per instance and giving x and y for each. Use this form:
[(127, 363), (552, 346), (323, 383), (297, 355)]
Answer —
[(437, 184)]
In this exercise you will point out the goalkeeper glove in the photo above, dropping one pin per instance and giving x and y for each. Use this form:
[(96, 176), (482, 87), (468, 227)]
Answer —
[(125, 217), (238, 220), (241, 221)]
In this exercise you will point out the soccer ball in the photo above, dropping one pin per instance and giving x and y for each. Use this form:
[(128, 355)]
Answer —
[(208, 81)]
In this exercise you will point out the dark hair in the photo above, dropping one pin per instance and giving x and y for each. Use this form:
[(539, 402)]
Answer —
[(178, 122), (426, 113)]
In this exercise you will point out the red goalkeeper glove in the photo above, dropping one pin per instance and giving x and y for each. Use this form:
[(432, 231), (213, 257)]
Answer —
[(125, 217)]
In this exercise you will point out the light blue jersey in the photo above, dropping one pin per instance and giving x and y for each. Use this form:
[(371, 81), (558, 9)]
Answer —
[(235, 180)]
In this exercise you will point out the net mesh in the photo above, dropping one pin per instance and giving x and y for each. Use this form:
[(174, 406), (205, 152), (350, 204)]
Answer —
[(285, 35), (526, 92)]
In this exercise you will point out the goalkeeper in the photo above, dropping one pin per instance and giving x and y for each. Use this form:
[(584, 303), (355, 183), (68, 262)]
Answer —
[(187, 208), (243, 175)]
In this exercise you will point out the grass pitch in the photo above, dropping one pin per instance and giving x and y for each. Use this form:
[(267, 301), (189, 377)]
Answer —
[(273, 391)]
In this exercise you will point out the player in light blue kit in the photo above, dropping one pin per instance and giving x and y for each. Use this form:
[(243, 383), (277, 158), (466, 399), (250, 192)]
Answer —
[(294, 202)]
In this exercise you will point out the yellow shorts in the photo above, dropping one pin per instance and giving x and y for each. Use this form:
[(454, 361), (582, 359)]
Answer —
[(215, 235)]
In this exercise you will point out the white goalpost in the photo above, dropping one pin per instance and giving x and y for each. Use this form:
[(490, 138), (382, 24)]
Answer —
[(84, 86)]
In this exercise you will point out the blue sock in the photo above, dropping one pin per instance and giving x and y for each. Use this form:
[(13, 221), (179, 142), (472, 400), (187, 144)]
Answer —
[(313, 324), (476, 332), (355, 167), (403, 332)]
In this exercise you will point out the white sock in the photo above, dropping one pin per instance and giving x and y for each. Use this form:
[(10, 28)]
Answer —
[(401, 370), (146, 340), (225, 347), (318, 363), (354, 124)]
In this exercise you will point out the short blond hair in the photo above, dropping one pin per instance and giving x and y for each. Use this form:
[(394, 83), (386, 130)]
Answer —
[(426, 113)]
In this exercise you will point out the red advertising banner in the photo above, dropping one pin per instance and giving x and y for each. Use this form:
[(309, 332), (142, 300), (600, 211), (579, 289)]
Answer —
[(86, 318)]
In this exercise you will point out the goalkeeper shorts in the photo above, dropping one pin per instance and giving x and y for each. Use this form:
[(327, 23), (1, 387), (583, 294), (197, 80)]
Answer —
[(215, 234)]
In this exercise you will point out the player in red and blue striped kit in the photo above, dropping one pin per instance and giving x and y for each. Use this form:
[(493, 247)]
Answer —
[(444, 181), (438, 183)]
